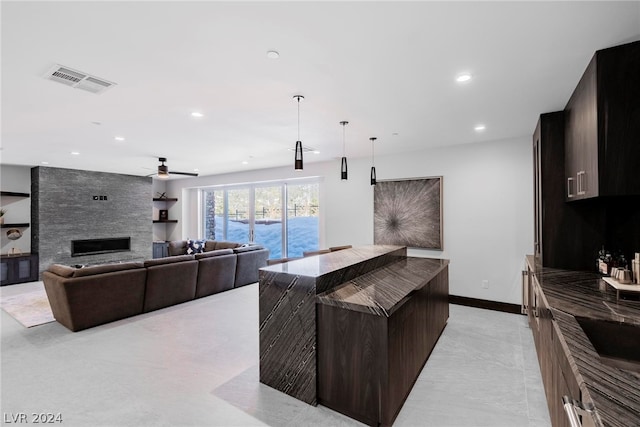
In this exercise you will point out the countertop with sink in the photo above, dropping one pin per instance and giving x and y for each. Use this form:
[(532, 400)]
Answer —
[(582, 301)]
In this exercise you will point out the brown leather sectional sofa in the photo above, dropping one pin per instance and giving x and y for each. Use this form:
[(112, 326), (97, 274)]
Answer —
[(81, 298)]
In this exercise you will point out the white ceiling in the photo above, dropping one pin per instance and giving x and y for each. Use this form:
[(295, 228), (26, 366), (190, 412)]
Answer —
[(386, 67)]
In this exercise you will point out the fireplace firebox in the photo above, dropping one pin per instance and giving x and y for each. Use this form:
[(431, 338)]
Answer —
[(100, 246)]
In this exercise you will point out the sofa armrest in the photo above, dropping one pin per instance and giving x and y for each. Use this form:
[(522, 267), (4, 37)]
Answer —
[(249, 263), (83, 302)]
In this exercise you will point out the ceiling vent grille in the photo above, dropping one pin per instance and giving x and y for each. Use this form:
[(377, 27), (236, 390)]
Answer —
[(78, 79), (305, 149)]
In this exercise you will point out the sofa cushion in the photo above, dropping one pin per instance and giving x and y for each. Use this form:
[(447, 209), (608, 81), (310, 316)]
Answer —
[(177, 247), (216, 273), (250, 260), (214, 253), (106, 268), (168, 260), (214, 245), (171, 283)]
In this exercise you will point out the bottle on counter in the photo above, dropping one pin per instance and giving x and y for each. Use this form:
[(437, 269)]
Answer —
[(604, 261)]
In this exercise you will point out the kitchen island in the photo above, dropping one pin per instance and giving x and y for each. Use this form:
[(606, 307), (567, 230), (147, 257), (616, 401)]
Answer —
[(351, 329), (287, 304), (570, 301), (376, 332)]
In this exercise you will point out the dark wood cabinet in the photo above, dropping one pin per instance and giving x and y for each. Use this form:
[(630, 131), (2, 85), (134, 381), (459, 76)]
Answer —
[(602, 127), (368, 363), (542, 329), (566, 235), (557, 376), (564, 382), (18, 269)]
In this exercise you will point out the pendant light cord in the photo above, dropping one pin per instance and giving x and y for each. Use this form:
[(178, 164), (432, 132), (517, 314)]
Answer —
[(298, 118), (373, 157)]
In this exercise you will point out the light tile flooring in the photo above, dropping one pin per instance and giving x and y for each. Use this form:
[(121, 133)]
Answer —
[(196, 364)]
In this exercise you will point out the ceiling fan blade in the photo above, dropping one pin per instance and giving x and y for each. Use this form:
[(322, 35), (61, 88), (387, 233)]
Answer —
[(182, 173)]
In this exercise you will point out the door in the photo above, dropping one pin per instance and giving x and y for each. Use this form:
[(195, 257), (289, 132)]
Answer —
[(267, 227), (238, 215), (303, 219)]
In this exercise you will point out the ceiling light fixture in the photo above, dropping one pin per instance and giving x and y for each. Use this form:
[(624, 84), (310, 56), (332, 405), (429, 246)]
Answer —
[(373, 165), (163, 170), (273, 54), (119, 138), (75, 153), (45, 163), (298, 157), (479, 128), (343, 165), (197, 114), (464, 77)]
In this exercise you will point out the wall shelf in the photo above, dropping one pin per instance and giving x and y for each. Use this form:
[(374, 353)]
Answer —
[(15, 225), (165, 200), (13, 194)]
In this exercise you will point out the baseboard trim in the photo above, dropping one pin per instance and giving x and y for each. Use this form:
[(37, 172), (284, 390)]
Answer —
[(486, 304)]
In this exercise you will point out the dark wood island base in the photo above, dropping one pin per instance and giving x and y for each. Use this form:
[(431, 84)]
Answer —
[(375, 333), (351, 329)]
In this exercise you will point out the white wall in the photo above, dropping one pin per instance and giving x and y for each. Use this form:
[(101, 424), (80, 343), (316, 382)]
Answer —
[(16, 179), (487, 208)]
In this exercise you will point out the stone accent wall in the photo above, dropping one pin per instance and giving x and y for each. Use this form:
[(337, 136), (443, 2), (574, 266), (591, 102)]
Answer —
[(63, 209)]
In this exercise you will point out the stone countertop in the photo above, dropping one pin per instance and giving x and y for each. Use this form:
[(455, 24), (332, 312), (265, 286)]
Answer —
[(319, 265), (384, 290), (614, 392)]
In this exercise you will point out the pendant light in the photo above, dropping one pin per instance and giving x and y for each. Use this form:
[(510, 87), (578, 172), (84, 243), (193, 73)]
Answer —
[(298, 158), (373, 166), (343, 166)]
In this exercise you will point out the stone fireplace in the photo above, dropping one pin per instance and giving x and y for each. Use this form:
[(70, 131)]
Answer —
[(107, 217), (100, 246)]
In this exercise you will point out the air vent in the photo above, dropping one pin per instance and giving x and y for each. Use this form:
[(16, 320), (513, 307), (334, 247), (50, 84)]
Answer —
[(78, 79), (305, 149)]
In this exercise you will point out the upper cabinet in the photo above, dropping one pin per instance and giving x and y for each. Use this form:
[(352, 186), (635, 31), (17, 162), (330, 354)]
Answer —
[(602, 127)]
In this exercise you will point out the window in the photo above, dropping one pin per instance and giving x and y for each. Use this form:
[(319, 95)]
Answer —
[(254, 213)]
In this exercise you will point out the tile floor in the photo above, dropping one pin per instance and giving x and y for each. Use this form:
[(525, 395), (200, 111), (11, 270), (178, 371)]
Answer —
[(196, 364)]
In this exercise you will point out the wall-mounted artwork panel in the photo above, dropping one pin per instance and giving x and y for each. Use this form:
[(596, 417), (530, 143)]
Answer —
[(408, 212)]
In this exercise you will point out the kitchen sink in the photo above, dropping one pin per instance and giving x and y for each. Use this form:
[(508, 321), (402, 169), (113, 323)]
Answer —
[(616, 343)]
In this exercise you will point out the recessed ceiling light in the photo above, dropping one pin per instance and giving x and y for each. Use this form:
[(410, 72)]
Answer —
[(45, 163), (196, 170), (479, 128), (273, 54), (244, 162), (75, 153), (119, 138), (316, 152), (197, 114), (464, 77)]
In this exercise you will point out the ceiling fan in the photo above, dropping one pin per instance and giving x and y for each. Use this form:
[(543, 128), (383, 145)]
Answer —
[(163, 170)]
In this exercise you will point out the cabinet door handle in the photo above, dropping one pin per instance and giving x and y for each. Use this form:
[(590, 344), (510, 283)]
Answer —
[(570, 187), (582, 188), (574, 409)]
